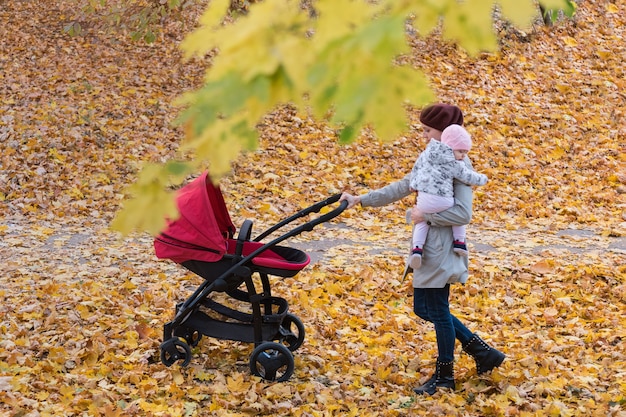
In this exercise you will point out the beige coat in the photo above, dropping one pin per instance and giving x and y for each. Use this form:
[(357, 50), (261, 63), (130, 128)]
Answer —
[(440, 265)]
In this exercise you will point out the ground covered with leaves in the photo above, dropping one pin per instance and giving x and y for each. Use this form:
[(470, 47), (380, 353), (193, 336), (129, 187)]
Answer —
[(82, 312)]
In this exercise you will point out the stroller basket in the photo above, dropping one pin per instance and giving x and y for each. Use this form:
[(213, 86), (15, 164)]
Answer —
[(202, 240)]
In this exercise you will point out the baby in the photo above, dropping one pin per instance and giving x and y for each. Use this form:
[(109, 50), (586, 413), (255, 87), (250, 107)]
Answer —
[(432, 178)]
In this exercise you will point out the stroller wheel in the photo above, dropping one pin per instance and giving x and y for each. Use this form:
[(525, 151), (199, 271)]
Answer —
[(175, 349), (291, 332), (191, 336), (272, 361)]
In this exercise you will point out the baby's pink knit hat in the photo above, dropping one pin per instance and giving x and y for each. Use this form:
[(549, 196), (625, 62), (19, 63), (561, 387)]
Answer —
[(457, 138)]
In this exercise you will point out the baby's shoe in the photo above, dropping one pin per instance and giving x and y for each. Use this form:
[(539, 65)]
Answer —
[(460, 248), (415, 260)]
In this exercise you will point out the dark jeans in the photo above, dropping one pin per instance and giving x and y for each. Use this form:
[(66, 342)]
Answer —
[(431, 304)]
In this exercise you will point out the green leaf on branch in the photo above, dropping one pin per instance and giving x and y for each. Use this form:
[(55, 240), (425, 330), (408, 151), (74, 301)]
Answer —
[(568, 7), (470, 25), (216, 145), (387, 110), (151, 198), (521, 14), (341, 18), (341, 60)]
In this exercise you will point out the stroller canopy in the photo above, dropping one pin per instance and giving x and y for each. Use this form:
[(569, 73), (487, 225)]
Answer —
[(203, 228)]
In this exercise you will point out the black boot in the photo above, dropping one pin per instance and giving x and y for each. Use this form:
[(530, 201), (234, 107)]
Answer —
[(485, 356), (442, 378)]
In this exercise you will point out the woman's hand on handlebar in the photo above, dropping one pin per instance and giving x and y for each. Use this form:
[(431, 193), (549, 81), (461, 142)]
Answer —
[(352, 200)]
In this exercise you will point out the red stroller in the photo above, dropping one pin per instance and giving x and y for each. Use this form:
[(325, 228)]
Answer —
[(202, 240)]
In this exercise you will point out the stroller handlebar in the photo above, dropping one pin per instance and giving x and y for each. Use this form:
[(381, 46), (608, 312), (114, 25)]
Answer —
[(331, 214), (315, 208)]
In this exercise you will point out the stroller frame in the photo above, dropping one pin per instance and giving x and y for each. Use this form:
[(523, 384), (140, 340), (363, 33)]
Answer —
[(275, 332)]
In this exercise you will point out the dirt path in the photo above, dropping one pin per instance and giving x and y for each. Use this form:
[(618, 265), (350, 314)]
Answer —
[(90, 247), (485, 242), (326, 240)]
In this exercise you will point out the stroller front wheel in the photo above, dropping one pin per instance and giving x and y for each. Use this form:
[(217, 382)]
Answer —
[(191, 336), (173, 350), (272, 362)]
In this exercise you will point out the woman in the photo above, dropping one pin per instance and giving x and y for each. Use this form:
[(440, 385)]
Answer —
[(441, 266)]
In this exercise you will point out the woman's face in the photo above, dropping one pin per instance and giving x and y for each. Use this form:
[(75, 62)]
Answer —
[(431, 133)]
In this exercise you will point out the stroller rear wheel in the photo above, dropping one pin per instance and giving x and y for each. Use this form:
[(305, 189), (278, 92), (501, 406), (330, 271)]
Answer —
[(173, 350), (272, 361), (291, 332)]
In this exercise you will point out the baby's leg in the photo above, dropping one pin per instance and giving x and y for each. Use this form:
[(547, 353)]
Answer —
[(459, 233), (427, 203), (460, 247), (420, 231)]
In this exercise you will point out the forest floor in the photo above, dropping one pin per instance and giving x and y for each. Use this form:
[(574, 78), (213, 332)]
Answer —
[(83, 308)]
